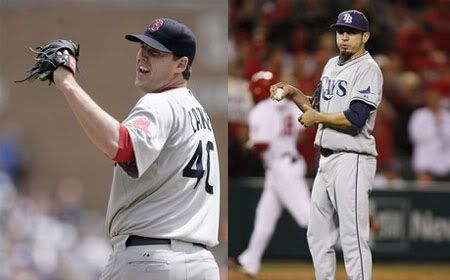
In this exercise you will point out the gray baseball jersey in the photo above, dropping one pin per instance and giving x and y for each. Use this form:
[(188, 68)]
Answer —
[(359, 79), (339, 199), (171, 189)]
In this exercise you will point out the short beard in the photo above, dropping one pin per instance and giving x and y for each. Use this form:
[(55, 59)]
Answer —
[(344, 57)]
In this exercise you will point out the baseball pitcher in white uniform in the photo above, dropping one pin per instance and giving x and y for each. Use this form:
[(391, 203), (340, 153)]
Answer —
[(163, 210), (273, 131), (351, 90)]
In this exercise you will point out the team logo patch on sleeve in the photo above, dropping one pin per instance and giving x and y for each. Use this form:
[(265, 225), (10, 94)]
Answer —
[(365, 91), (142, 124)]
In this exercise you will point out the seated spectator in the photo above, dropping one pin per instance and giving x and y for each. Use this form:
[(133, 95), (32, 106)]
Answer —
[(429, 132)]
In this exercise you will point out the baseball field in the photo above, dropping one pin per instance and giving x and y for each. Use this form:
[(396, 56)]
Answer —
[(385, 271)]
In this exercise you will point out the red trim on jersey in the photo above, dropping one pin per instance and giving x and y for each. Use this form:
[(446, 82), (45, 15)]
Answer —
[(260, 147), (125, 152), (179, 84), (165, 88)]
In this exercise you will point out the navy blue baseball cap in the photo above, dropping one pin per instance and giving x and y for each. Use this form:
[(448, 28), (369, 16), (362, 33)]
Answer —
[(168, 35), (353, 19)]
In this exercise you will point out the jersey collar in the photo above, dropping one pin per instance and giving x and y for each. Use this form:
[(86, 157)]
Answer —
[(353, 59)]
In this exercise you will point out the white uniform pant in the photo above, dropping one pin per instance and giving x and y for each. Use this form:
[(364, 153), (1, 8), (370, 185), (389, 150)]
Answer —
[(177, 261), (340, 207), (284, 187)]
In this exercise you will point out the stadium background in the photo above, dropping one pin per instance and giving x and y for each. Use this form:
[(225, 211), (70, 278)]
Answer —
[(54, 183), (292, 38)]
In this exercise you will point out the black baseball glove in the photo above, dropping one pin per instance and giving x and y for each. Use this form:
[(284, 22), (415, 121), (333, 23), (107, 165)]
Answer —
[(315, 98), (52, 55)]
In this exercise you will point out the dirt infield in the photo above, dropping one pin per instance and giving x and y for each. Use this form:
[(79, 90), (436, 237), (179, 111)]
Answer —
[(304, 271)]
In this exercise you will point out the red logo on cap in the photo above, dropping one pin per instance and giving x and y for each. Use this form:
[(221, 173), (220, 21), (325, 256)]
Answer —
[(156, 24)]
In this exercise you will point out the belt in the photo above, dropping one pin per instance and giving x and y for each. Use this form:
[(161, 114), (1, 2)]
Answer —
[(326, 152), (134, 240)]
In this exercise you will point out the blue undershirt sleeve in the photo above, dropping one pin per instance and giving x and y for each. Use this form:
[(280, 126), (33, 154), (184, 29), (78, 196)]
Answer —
[(358, 112)]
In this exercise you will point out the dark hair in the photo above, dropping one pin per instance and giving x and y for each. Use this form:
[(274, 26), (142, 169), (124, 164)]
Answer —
[(188, 71)]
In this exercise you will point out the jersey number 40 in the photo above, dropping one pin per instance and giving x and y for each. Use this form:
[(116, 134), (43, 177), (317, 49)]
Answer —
[(198, 172)]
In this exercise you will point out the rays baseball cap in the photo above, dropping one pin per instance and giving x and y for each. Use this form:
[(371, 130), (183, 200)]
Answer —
[(168, 35), (353, 19)]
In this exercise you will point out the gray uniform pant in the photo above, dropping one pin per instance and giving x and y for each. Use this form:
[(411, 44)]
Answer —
[(177, 261), (340, 208)]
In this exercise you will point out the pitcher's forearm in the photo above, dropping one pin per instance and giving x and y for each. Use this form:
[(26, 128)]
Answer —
[(334, 120), (101, 128), (301, 100)]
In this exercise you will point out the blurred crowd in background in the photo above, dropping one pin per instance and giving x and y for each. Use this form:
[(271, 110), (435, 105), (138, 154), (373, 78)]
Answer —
[(44, 235), (49, 236), (409, 41)]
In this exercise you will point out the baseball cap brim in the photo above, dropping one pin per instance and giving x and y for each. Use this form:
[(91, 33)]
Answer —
[(148, 41), (334, 26)]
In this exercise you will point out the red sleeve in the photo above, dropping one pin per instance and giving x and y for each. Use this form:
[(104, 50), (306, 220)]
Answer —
[(125, 152)]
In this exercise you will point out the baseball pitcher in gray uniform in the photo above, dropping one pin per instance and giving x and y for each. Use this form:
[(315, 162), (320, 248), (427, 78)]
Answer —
[(351, 90), (163, 209)]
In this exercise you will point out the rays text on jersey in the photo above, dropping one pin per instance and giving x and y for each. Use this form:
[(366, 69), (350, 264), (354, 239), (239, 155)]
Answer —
[(199, 119), (332, 87)]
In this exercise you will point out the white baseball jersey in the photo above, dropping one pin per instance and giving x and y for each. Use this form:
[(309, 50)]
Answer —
[(359, 79), (172, 188), (275, 123), (430, 134)]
